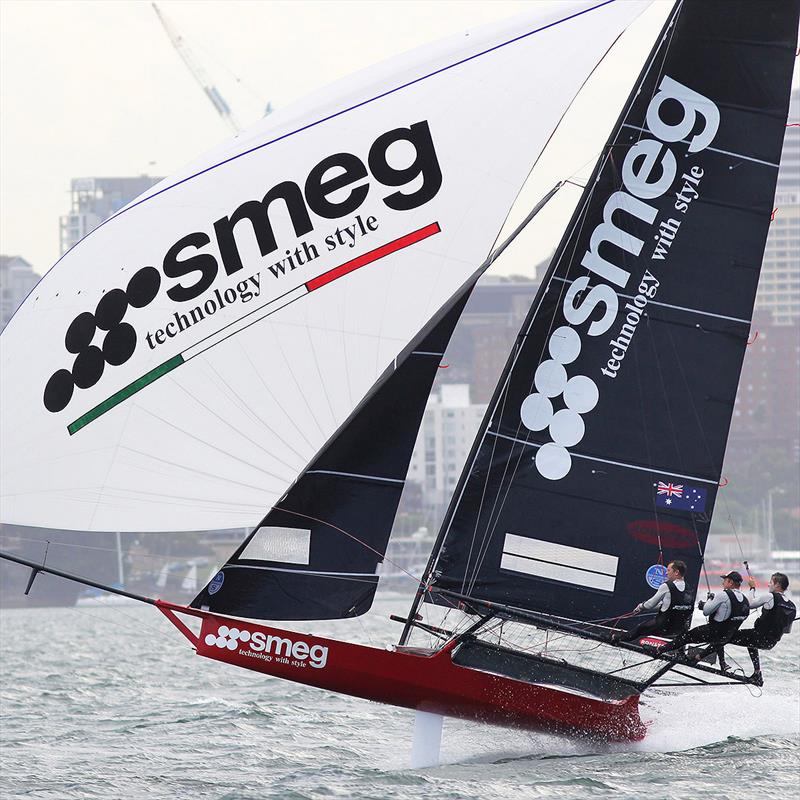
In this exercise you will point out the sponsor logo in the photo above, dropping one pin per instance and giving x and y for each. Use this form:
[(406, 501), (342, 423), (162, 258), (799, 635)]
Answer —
[(655, 575), (268, 647), (216, 583), (648, 171), (227, 638), (668, 534), (116, 338), (333, 189), (652, 641)]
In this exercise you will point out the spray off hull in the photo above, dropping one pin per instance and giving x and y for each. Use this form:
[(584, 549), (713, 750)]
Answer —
[(417, 679)]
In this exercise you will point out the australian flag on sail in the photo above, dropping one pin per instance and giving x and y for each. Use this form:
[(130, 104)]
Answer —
[(680, 497)]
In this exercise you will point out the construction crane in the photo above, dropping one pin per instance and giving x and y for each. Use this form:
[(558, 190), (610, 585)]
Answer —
[(198, 73)]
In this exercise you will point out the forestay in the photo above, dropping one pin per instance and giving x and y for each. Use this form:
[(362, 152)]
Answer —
[(600, 454), (186, 361)]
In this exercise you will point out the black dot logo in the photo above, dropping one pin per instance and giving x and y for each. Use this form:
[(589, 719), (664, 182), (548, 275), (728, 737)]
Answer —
[(58, 391), (80, 333), (88, 367), (119, 344), (143, 287), (111, 309), (119, 340)]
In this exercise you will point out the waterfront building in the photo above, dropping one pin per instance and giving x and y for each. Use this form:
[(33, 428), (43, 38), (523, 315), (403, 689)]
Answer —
[(93, 200), (779, 287), (17, 278), (485, 333), (767, 409), (450, 423)]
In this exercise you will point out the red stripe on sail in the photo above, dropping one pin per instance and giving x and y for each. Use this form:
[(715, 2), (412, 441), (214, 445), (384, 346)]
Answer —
[(373, 255)]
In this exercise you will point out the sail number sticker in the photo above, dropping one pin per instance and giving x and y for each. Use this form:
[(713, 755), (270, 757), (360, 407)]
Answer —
[(655, 575)]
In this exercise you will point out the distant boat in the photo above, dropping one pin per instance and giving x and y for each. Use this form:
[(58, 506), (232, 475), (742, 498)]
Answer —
[(96, 598), (222, 383), (163, 575), (189, 583)]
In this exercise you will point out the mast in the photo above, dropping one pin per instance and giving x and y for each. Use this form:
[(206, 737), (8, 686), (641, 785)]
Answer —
[(120, 567), (500, 386)]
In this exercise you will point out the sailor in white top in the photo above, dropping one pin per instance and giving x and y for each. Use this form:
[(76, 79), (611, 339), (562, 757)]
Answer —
[(661, 599), (775, 620), (719, 608), (674, 606), (767, 601), (726, 612)]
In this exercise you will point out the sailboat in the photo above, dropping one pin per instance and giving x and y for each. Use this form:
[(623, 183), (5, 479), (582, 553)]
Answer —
[(189, 582), (252, 343)]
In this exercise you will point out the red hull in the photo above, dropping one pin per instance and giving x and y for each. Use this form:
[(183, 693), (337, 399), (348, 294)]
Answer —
[(422, 680)]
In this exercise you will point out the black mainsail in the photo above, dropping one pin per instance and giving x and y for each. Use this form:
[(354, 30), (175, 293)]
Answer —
[(599, 456)]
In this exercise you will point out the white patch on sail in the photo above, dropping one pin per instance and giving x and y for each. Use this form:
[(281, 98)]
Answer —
[(287, 545), (558, 562)]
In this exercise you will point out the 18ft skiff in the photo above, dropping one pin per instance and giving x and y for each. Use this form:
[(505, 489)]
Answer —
[(261, 332)]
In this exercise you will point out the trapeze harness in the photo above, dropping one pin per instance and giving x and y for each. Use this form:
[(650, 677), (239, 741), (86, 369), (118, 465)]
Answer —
[(678, 616), (739, 611), (774, 622)]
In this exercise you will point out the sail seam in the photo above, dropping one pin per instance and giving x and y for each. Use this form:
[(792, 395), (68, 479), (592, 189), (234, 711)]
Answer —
[(658, 470), (714, 149)]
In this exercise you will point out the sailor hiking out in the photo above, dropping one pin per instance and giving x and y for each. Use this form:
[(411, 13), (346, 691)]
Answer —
[(726, 612), (674, 603), (776, 618)]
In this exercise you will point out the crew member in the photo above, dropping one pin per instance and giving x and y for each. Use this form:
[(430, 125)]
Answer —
[(726, 612), (776, 618), (674, 603)]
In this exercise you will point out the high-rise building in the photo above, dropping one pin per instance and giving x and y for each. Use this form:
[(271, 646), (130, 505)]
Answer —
[(448, 428), (17, 278), (93, 200), (779, 287), (485, 334), (767, 409)]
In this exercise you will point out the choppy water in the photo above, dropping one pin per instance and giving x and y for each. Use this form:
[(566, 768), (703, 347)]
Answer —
[(112, 703)]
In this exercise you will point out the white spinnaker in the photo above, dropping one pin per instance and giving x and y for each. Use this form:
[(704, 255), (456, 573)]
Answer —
[(260, 385)]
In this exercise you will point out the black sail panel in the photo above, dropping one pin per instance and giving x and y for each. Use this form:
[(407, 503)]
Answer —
[(315, 554), (600, 455)]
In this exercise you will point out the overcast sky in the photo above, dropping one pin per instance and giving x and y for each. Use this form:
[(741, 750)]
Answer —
[(96, 89)]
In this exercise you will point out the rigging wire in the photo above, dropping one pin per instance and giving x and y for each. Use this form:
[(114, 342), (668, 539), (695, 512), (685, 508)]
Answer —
[(704, 440), (352, 536), (138, 623)]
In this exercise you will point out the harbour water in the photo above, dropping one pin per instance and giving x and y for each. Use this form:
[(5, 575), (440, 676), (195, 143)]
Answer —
[(112, 703)]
